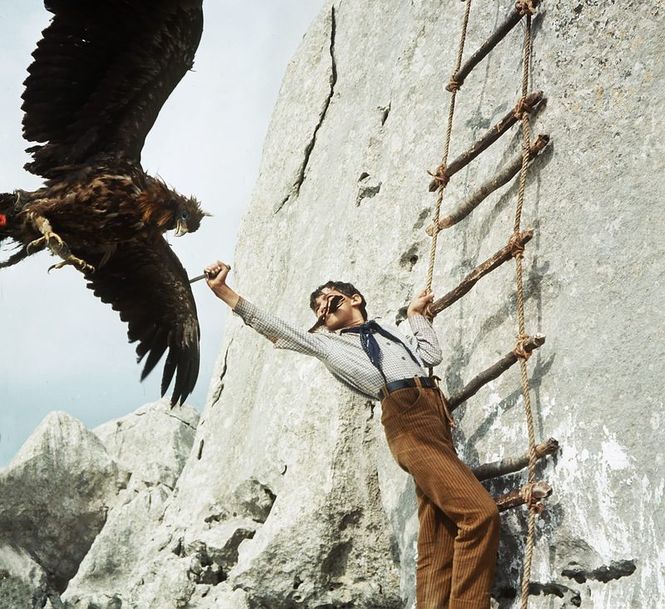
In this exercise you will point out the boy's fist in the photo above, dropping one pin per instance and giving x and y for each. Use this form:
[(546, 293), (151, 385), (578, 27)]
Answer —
[(216, 274)]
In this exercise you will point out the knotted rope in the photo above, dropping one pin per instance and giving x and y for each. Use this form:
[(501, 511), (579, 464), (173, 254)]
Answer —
[(440, 175), (521, 324), (522, 112)]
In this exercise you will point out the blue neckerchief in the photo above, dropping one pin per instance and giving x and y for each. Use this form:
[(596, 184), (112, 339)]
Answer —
[(371, 346)]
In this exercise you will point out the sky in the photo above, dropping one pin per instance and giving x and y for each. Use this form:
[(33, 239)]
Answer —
[(61, 348)]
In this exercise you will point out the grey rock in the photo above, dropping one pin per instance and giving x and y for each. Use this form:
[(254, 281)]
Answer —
[(120, 548), (591, 288), (152, 443), (23, 583), (55, 494), (214, 554)]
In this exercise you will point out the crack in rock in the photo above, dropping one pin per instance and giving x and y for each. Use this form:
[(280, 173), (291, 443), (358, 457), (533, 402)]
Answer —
[(181, 420), (225, 366), (385, 111), (295, 189)]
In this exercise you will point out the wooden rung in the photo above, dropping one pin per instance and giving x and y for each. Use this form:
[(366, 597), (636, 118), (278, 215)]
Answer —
[(529, 104), (503, 177), (514, 464), (494, 371), (495, 37), (505, 253), (516, 498)]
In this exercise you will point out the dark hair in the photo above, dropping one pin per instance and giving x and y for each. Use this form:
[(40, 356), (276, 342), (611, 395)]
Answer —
[(348, 289)]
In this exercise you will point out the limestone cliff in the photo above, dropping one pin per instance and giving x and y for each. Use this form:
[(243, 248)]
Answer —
[(289, 497)]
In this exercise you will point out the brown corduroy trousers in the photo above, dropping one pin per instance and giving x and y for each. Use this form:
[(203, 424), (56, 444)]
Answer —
[(459, 521)]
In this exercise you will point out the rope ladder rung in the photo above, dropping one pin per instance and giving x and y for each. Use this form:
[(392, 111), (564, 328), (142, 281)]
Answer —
[(521, 8), (515, 244), (528, 104), (528, 345), (510, 465), (537, 491), (501, 178)]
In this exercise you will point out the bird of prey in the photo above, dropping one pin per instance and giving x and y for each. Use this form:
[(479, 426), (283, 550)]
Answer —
[(100, 75)]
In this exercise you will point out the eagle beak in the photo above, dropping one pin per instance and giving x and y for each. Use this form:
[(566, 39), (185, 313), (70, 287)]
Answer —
[(180, 228)]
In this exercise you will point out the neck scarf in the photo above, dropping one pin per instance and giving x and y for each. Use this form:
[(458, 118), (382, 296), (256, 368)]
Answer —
[(371, 346)]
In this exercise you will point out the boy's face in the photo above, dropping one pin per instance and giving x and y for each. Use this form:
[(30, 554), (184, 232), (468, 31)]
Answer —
[(347, 313)]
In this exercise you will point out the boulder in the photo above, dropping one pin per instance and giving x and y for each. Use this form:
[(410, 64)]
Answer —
[(152, 445), (55, 495), (23, 583)]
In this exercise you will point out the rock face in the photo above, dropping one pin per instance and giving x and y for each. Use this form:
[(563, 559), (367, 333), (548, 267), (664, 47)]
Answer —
[(152, 443), (343, 194), (289, 498)]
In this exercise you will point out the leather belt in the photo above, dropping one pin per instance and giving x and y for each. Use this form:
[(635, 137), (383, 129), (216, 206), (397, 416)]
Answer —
[(424, 381)]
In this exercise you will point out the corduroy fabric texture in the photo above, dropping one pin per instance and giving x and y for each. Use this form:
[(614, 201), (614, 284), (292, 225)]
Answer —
[(459, 520)]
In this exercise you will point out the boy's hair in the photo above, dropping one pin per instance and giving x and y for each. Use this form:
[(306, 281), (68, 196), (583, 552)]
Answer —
[(348, 289)]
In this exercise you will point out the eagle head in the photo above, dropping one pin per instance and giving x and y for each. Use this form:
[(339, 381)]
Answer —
[(187, 216)]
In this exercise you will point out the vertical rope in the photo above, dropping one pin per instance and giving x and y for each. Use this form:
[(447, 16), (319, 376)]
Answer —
[(521, 324), (454, 87)]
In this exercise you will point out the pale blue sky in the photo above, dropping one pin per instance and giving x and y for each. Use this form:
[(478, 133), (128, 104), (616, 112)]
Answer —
[(60, 348)]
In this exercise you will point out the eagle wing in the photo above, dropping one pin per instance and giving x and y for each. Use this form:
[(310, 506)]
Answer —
[(147, 285), (101, 73)]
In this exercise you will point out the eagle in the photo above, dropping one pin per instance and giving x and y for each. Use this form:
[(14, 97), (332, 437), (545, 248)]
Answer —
[(101, 73)]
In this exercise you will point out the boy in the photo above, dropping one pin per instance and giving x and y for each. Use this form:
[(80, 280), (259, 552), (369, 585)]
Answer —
[(459, 522)]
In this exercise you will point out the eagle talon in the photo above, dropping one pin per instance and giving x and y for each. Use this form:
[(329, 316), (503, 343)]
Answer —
[(58, 247), (77, 263), (48, 238), (34, 245)]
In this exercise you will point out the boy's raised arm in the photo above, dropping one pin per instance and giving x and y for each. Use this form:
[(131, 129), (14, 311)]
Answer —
[(427, 342), (281, 333)]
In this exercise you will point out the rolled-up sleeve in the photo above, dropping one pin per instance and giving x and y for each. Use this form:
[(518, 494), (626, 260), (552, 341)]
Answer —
[(281, 333), (426, 342)]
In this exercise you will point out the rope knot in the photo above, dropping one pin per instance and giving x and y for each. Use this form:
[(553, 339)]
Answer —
[(516, 245), (533, 492), (523, 107), (441, 178), (433, 229), (453, 85), (525, 7), (531, 501), (520, 350)]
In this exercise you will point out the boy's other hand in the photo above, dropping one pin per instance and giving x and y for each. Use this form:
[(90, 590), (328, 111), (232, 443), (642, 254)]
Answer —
[(420, 305)]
